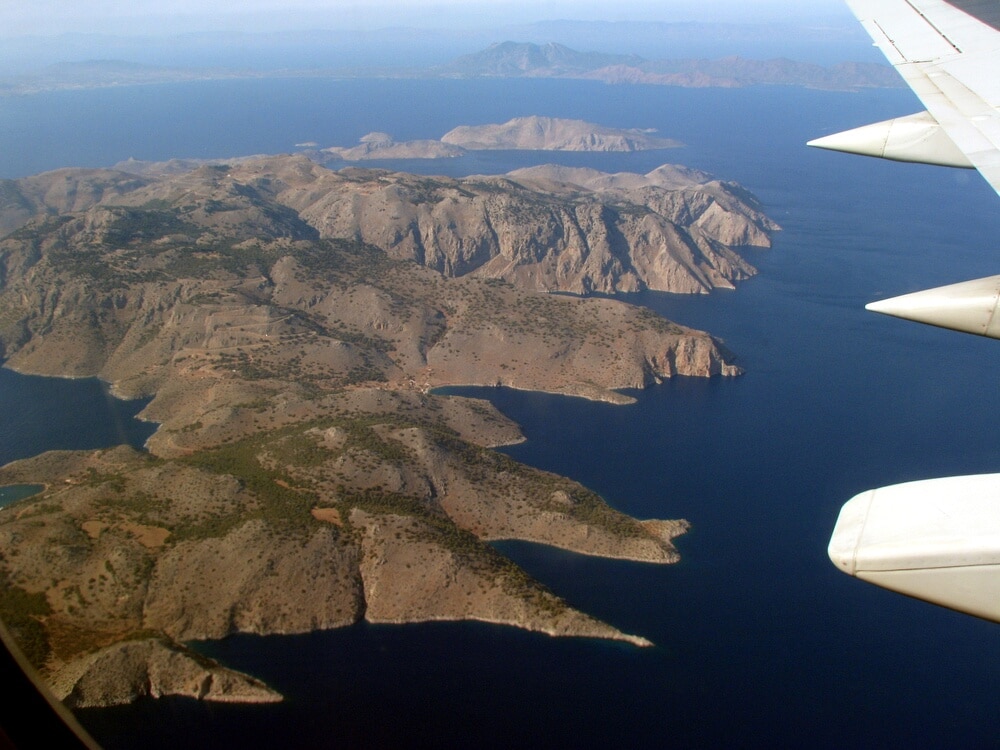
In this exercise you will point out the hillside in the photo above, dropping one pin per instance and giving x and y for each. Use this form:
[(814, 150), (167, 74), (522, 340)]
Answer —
[(683, 235)]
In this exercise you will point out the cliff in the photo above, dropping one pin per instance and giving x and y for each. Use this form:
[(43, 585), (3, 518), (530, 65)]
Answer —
[(151, 668), (547, 229), (303, 475)]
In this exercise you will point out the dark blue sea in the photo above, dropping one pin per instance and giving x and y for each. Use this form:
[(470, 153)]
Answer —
[(760, 641)]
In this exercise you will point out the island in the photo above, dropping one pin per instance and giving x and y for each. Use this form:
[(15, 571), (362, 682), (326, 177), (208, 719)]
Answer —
[(512, 59), (290, 325), (532, 133), (507, 59)]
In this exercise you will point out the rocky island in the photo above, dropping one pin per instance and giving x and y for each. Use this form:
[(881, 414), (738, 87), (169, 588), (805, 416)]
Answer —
[(289, 324), (519, 134), (554, 134)]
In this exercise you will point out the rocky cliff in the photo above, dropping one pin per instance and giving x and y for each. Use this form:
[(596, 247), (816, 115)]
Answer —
[(547, 229)]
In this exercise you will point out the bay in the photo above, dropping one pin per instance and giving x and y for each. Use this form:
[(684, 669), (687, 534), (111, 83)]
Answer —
[(760, 641), (11, 493), (39, 414)]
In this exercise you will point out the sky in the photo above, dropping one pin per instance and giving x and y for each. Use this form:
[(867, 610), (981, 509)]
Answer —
[(53, 17)]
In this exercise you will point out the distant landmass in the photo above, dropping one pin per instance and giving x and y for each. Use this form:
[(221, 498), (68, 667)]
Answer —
[(554, 134), (518, 59), (97, 74), (290, 324), (382, 146), (507, 59), (525, 60), (521, 133)]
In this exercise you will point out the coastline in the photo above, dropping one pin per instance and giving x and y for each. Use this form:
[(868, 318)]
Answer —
[(297, 479)]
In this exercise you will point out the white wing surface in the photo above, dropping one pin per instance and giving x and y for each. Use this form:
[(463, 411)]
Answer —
[(949, 54), (938, 539)]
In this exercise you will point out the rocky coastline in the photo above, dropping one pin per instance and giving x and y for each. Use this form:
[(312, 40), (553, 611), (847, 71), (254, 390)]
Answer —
[(290, 325)]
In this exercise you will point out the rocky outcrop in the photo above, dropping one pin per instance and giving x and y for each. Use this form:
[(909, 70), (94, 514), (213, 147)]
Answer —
[(680, 235), (420, 579), (526, 60), (153, 668), (382, 146), (553, 134)]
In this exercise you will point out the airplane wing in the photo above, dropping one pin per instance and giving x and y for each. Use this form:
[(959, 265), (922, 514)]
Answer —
[(949, 57), (937, 539), (949, 54)]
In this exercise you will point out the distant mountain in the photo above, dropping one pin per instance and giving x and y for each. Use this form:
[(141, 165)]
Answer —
[(738, 71), (500, 60), (526, 60), (515, 59)]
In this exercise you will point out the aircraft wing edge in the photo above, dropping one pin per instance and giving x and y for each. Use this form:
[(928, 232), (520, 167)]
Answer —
[(936, 539), (948, 59)]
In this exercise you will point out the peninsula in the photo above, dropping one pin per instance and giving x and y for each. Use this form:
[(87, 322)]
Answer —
[(289, 324)]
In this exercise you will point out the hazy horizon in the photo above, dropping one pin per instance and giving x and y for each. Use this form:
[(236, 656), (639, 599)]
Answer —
[(295, 44), (146, 17)]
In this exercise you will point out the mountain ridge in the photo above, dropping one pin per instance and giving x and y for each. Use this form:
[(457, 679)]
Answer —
[(508, 59)]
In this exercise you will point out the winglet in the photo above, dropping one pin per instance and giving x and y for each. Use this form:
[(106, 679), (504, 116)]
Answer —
[(970, 307), (914, 138)]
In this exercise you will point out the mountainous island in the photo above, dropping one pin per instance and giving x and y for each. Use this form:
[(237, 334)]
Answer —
[(532, 133), (289, 324), (508, 59), (528, 60)]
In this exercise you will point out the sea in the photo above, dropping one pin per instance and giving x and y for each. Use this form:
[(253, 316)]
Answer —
[(760, 641)]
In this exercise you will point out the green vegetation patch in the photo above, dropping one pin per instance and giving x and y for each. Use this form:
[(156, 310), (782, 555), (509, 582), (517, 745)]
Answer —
[(140, 225), (282, 502), (22, 612)]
